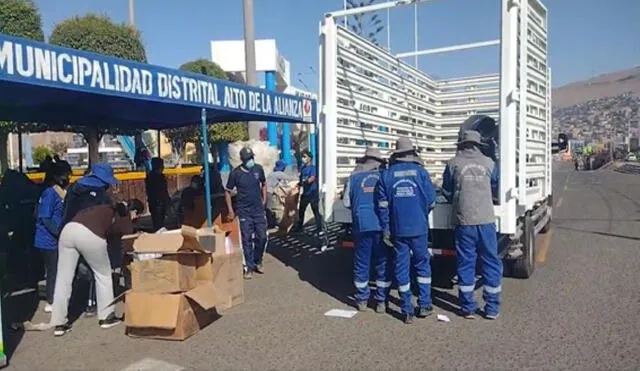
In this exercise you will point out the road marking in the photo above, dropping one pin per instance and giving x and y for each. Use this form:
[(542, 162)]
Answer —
[(152, 364), (543, 247), (565, 187), (559, 203)]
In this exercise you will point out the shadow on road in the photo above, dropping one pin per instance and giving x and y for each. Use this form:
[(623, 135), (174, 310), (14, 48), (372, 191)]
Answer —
[(331, 272)]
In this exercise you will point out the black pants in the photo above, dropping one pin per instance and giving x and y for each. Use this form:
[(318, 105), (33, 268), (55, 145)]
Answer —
[(304, 202), (50, 258), (157, 216)]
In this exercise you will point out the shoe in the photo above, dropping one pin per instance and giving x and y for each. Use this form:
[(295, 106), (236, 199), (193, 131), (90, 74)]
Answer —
[(61, 330), (424, 312), (91, 311), (259, 269), (48, 308), (248, 275), (110, 321), (362, 306), (381, 307), (468, 315), (492, 316), (408, 319)]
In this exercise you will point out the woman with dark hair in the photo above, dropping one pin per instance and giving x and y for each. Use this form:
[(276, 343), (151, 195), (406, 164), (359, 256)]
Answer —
[(49, 222)]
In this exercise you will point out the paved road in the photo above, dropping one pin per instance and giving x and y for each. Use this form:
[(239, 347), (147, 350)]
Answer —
[(579, 311)]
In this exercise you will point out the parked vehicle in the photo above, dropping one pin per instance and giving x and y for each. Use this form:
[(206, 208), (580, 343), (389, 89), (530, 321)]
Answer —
[(369, 97)]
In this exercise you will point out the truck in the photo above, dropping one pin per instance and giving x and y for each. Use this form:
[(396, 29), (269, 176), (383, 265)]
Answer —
[(369, 96)]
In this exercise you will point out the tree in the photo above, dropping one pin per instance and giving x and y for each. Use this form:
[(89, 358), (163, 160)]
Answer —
[(59, 148), (366, 25), (40, 153), (98, 34), (19, 18), (219, 132)]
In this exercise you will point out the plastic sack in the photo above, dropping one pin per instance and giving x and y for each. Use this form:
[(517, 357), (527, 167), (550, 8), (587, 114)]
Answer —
[(265, 155)]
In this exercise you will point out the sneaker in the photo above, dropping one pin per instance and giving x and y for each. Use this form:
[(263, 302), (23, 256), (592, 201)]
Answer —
[(424, 312), (48, 308), (61, 330), (381, 307), (362, 306), (259, 269), (91, 311), (408, 319), (492, 316), (248, 275), (110, 321), (468, 315)]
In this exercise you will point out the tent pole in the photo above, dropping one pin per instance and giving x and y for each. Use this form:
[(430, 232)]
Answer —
[(205, 165), (20, 153), (159, 142)]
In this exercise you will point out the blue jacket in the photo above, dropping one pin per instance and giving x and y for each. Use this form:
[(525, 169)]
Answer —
[(405, 196), (360, 198)]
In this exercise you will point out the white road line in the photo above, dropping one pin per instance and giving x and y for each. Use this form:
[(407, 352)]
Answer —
[(152, 364), (559, 203)]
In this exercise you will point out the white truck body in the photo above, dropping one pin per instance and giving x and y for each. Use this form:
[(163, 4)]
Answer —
[(370, 97)]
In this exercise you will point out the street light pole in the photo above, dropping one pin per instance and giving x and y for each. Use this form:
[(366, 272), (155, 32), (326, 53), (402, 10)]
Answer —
[(132, 14), (250, 59)]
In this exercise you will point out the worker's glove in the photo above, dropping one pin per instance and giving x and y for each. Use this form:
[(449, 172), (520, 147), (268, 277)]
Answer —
[(386, 239)]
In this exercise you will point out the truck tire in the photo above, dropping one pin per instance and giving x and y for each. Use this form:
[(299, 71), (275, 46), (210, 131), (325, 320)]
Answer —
[(524, 267)]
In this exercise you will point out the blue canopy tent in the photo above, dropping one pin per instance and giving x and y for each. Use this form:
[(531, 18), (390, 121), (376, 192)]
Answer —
[(61, 86)]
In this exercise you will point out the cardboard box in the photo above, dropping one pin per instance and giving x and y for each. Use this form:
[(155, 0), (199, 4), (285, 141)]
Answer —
[(170, 316), (167, 262), (225, 272)]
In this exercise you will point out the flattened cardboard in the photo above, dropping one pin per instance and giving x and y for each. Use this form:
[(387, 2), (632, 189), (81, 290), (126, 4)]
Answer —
[(226, 272), (170, 316)]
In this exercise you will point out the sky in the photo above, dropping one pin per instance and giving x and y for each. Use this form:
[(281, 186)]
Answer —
[(586, 37)]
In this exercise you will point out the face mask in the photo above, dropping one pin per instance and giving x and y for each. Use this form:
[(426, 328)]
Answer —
[(250, 164)]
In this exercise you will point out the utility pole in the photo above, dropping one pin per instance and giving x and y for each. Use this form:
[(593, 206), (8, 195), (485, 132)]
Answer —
[(132, 13), (250, 59)]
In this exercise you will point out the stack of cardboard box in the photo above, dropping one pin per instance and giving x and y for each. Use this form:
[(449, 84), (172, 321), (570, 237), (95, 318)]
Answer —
[(180, 282)]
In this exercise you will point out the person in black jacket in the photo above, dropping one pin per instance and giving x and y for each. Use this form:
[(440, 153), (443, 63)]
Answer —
[(157, 193)]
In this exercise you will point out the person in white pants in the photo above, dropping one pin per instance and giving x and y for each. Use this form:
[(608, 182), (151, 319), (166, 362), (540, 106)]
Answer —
[(90, 217)]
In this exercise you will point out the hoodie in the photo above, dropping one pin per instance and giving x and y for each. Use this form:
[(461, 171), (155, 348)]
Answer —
[(92, 207)]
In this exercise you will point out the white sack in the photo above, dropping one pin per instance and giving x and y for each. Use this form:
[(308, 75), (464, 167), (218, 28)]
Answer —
[(265, 155)]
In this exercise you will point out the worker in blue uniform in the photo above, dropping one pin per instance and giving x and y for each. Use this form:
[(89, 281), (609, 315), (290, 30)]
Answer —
[(470, 179), (359, 196), (405, 196), (250, 201)]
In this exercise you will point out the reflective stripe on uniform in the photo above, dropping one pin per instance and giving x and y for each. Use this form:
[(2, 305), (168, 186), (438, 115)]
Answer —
[(404, 288), (383, 284), (383, 203), (492, 290), (424, 280), (468, 288), (360, 285)]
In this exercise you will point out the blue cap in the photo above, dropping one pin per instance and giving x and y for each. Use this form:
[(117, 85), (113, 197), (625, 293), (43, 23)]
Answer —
[(100, 173), (280, 166)]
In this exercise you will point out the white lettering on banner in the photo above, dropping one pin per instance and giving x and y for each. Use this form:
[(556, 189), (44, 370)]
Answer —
[(21, 60)]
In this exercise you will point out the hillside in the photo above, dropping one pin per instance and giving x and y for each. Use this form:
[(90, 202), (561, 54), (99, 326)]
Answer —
[(602, 86), (605, 107)]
